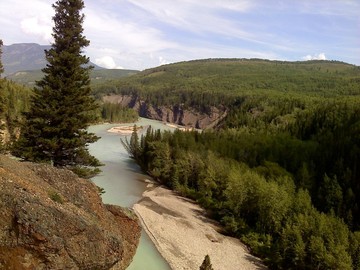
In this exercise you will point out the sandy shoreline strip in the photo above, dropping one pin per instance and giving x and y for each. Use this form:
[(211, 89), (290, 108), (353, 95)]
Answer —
[(124, 130), (183, 235), (128, 129)]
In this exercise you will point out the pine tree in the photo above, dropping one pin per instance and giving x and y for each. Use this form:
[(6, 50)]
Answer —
[(206, 265), (133, 146), (62, 108), (1, 66)]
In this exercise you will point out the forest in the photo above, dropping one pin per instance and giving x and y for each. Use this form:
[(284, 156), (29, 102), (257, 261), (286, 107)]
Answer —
[(281, 171), (17, 89), (215, 82), (293, 200), (16, 101)]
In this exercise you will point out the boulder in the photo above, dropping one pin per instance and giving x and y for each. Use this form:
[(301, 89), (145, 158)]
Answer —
[(51, 219)]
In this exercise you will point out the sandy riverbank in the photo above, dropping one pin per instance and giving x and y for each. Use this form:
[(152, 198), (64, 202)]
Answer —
[(128, 130), (124, 130), (182, 128), (183, 235)]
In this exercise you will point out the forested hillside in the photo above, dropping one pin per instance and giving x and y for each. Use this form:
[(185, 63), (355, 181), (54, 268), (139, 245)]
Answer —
[(281, 171), (224, 81), (15, 101), (98, 76)]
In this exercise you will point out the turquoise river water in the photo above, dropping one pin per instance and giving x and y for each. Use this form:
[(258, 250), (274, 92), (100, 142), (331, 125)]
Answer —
[(124, 184)]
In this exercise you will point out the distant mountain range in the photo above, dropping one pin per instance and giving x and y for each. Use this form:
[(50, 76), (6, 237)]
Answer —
[(23, 63), (24, 57)]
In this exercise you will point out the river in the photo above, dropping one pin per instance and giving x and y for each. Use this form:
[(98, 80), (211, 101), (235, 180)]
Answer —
[(124, 184)]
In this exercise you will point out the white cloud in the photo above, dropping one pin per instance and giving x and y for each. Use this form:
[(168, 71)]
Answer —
[(234, 5), (196, 16), (163, 61), (104, 29), (39, 26), (320, 56), (107, 62), (208, 20), (26, 21), (348, 8), (140, 33)]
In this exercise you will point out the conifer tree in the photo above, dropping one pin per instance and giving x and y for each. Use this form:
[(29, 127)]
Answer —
[(62, 107), (133, 147), (206, 265), (1, 66)]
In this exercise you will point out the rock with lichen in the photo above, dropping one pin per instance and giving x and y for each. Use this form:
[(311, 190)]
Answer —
[(51, 219)]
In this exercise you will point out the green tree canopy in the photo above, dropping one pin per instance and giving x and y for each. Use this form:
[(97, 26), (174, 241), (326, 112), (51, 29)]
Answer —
[(1, 65), (62, 108)]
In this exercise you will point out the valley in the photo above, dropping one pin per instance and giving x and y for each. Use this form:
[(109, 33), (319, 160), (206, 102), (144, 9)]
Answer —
[(290, 128)]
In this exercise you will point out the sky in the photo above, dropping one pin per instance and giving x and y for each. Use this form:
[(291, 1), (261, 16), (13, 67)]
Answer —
[(140, 34)]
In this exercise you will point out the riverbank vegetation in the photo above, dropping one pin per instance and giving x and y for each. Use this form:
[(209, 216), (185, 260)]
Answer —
[(281, 171), (115, 113), (291, 196), (15, 101)]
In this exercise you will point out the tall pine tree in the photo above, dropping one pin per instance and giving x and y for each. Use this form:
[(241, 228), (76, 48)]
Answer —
[(1, 66), (62, 107)]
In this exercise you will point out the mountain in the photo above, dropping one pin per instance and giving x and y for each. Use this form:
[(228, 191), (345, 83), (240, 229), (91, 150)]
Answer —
[(201, 92), (204, 81), (25, 56), (97, 76), (23, 63), (280, 170)]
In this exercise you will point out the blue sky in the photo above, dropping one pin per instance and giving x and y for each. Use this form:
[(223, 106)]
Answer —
[(139, 34)]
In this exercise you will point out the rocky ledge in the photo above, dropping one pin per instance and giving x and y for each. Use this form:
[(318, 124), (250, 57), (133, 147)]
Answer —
[(176, 114), (51, 219)]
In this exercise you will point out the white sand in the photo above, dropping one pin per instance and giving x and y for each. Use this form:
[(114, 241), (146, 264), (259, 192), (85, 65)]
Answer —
[(124, 130), (182, 128), (183, 235)]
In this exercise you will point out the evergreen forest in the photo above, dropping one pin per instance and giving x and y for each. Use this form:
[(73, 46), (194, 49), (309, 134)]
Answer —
[(15, 101), (215, 82), (281, 170), (48, 124)]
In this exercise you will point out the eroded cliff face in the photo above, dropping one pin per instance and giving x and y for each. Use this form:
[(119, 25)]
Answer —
[(51, 219), (176, 114)]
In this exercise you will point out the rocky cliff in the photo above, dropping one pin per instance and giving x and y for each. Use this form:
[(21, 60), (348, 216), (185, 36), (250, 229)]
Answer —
[(51, 219), (176, 114)]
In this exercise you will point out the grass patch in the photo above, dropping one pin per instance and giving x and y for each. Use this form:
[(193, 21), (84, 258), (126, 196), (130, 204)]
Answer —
[(53, 195)]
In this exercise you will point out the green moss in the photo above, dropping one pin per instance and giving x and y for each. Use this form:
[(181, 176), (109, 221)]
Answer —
[(53, 195)]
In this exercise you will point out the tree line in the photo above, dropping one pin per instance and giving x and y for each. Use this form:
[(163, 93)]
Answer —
[(215, 82), (290, 192), (56, 114), (281, 171), (48, 123), (115, 113)]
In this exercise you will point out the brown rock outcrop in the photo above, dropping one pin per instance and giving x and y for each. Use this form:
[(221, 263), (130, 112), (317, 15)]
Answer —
[(175, 114), (51, 219)]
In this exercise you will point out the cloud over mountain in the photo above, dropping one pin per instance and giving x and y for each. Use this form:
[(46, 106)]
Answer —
[(320, 56)]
